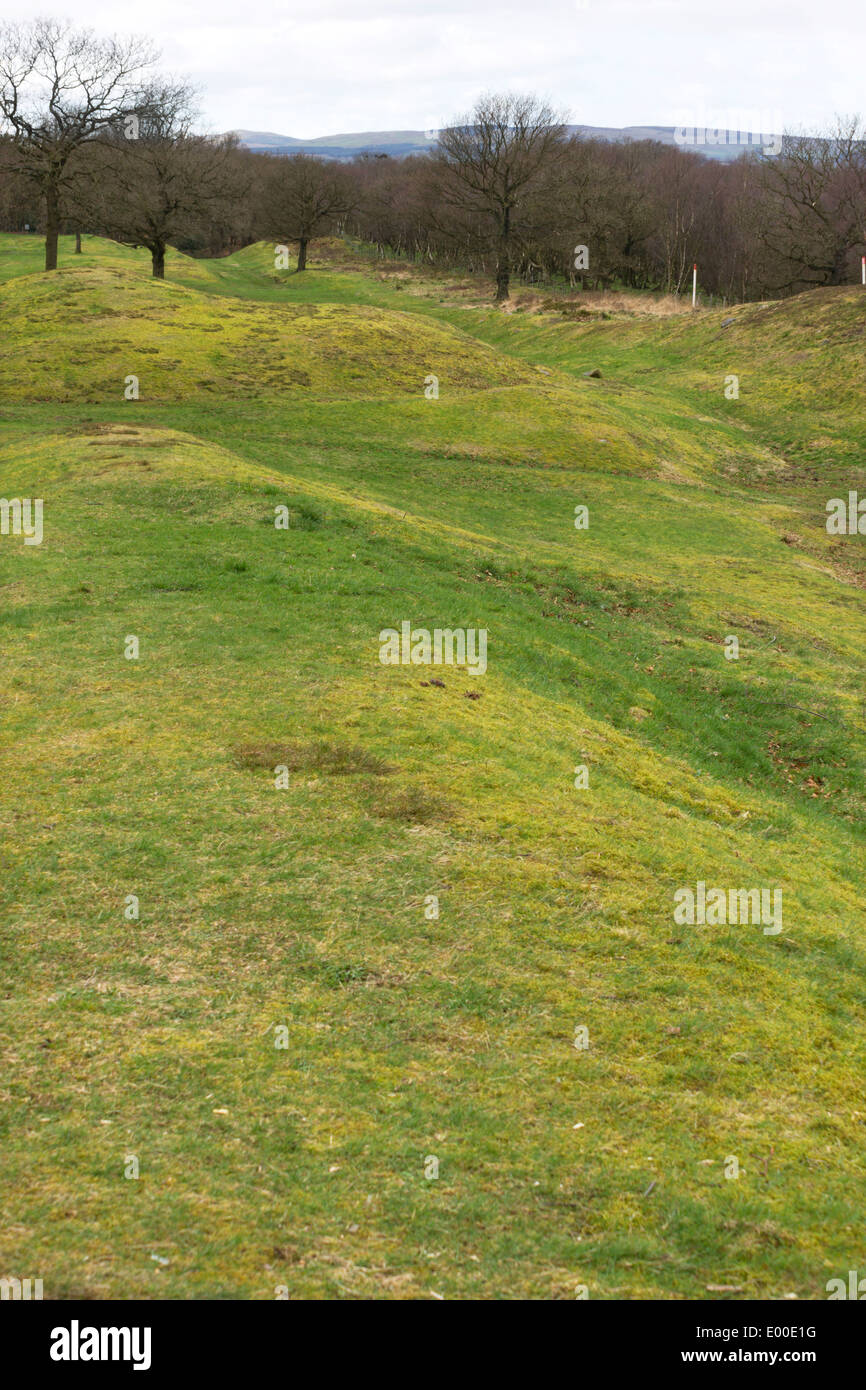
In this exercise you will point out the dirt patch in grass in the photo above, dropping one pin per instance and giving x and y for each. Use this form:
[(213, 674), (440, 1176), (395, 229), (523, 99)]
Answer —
[(415, 805), (341, 759)]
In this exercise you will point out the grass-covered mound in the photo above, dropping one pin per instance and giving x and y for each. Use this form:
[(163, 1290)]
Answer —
[(305, 906), (78, 335)]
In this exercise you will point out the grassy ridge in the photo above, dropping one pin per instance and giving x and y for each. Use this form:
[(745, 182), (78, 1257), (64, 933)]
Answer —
[(78, 335), (304, 907)]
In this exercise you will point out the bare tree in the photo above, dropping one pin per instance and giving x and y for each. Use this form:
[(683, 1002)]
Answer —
[(490, 159), (59, 89), (675, 206), (816, 205), (305, 197), (162, 185)]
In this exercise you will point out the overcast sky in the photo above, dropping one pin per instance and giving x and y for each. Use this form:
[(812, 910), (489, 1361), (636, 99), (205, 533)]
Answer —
[(333, 66)]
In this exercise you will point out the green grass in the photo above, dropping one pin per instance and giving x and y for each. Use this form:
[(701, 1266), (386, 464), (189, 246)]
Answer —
[(304, 906)]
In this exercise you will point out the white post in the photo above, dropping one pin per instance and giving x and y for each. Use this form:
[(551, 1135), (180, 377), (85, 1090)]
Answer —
[(863, 270), (694, 284)]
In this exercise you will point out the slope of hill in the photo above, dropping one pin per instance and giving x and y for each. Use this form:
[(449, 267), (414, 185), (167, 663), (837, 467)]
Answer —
[(79, 336), (222, 956)]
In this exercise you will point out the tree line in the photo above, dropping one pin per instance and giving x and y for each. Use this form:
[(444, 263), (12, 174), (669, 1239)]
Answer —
[(93, 139)]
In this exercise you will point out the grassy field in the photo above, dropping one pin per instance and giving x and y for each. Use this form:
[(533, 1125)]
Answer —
[(299, 914)]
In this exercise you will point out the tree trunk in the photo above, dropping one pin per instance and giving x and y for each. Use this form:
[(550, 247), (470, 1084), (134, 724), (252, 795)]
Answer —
[(157, 255), (502, 277), (302, 253), (52, 225), (503, 258), (78, 243), (839, 275)]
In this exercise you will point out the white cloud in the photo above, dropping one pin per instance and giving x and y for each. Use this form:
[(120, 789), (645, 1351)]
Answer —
[(337, 66)]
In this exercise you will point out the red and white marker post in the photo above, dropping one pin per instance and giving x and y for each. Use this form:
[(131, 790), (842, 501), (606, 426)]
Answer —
[(695, 284), (863, 270)]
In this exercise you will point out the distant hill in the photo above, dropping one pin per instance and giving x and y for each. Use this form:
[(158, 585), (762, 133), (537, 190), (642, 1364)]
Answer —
[(399, 143)]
